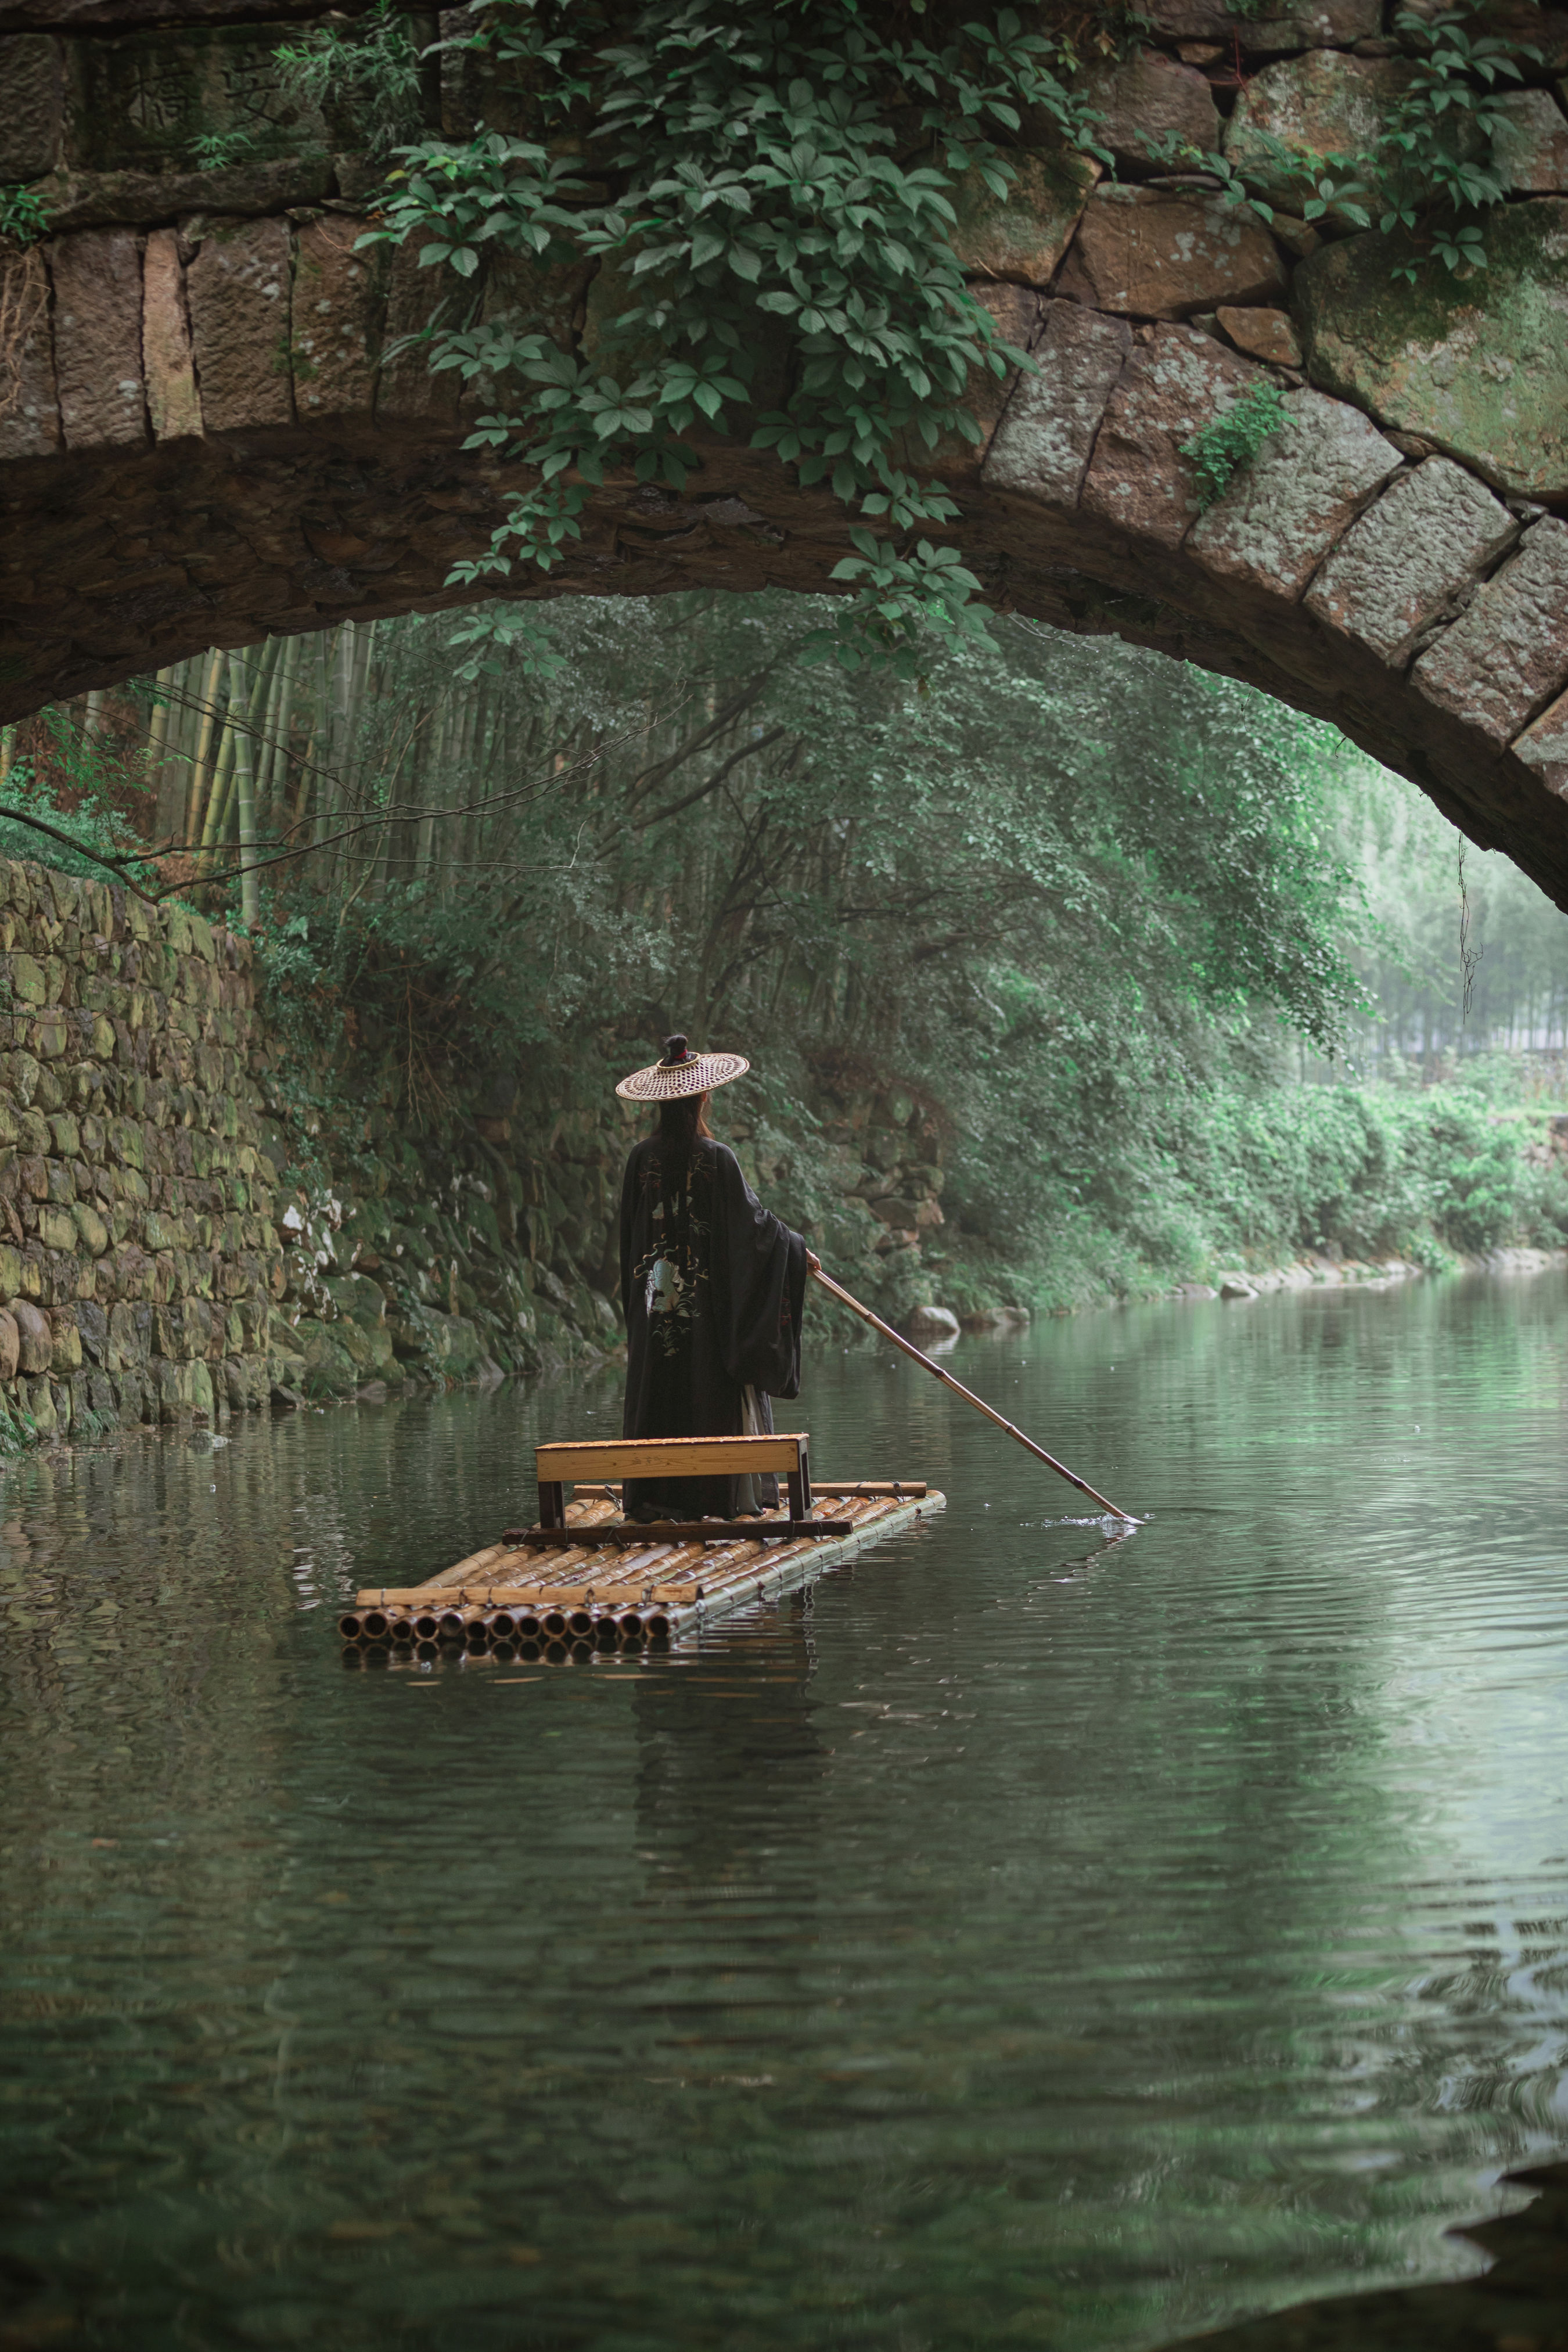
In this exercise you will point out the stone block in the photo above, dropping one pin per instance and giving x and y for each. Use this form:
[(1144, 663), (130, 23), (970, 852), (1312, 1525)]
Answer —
[(1017, 312), (1507, 656), (1312, 25), (1163, 253), (66, 1352), (10, 1345), (1477, 366), (1324, 103), (40, 1405), (1281, 514), (1043, 444), (145, 101), (78, 200), (27, 976), (237, 289), (129, 1334), (174, 405), (1409, 557), (1147, 97), (329, 1365), (1543, 746), (335, 319), (35, 1338), (405, 389), (92, 1322), (1546, 29), (1170, 389), (98, 339), (91, 1232), (1023, 235), (1266, 335), (1530, 146), (30, 119)]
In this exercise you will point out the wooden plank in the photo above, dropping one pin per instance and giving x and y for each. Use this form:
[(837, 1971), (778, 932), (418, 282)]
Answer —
[(705, 1531), (893, 1489), (666, 1457)]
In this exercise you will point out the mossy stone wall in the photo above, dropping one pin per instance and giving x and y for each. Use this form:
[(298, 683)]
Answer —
[(138, 1253)]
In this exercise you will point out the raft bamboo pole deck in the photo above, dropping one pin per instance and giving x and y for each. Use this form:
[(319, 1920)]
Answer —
[(622, 1596)]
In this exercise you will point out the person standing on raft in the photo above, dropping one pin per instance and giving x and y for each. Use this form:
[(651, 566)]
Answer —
[(713, 1286)]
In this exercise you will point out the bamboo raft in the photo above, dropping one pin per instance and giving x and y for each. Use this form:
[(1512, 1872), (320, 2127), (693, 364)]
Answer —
[(584, 1579)]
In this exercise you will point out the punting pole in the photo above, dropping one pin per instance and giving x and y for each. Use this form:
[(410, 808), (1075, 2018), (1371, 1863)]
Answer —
[(968, 1395)]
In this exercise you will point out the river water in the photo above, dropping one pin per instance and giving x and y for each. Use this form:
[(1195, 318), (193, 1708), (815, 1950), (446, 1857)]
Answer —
[(1020, 1939)]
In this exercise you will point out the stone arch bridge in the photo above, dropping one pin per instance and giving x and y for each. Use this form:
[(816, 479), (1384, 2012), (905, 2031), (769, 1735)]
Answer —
[(201, 441)]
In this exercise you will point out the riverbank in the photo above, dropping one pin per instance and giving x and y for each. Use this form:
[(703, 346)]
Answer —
[(1320, 1273)]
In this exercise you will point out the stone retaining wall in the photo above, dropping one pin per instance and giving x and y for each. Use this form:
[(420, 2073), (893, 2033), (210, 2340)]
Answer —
[(137, 1255)]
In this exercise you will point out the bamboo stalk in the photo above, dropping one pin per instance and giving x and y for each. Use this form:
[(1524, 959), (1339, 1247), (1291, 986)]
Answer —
[(265, 738), (246, 703), (223, 769), (283, 719), (157, 735), (204, 747), (245, 797), (179, 751), (314, 784), (908, 1348)]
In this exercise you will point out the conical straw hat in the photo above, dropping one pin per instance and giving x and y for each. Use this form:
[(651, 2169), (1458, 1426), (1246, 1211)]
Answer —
[(682, 1073)]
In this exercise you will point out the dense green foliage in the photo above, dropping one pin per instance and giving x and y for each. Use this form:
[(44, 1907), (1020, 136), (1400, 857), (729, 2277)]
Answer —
[(767, 191), (1077, 900), (1431, 171), (65, 806), (1261, 1175)]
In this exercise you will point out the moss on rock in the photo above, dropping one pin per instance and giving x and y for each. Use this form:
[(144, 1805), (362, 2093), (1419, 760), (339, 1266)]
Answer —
[(1476, 364)]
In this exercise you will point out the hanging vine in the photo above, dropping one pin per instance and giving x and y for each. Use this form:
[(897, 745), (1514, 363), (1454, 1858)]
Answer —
[(776, 184)]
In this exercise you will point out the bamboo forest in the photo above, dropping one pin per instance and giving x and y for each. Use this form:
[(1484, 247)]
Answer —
[(1195, 981)]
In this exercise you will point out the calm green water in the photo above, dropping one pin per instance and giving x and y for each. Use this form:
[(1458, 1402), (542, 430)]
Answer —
[(1018, 1940)]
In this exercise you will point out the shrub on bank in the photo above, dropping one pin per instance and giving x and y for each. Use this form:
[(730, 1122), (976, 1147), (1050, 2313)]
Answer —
[(1358, 1172)]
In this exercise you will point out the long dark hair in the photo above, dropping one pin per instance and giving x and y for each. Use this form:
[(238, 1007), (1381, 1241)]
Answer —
[(682, 1122)]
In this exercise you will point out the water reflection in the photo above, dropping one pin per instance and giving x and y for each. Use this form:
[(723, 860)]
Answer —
[(1021, 1937)]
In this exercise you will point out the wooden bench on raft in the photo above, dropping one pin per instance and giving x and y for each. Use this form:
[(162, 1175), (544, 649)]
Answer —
[(606, 1460)]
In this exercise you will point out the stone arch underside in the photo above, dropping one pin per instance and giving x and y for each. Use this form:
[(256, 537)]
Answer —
[(203, 444)]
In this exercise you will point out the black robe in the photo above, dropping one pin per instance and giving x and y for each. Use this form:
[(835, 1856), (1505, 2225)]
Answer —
[(713, 1286)]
